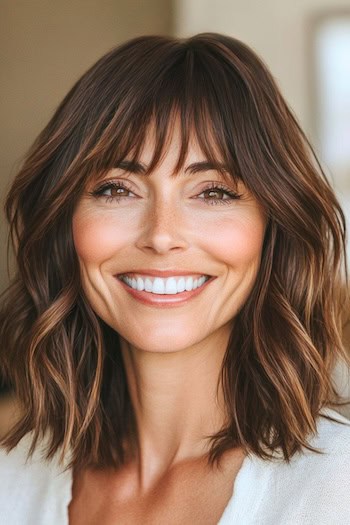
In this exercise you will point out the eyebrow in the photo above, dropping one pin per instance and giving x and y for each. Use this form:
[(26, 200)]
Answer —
[(196, 167)]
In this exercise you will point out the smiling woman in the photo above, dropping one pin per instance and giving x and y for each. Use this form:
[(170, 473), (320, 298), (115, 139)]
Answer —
[(175, 319)]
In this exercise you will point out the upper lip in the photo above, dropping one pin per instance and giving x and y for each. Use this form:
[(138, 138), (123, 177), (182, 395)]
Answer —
[(163, 273)]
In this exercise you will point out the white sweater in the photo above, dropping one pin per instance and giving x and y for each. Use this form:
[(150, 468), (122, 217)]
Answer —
[(311, 489)]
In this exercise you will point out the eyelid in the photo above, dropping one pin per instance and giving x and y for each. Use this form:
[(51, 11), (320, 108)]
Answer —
[(219, 186)]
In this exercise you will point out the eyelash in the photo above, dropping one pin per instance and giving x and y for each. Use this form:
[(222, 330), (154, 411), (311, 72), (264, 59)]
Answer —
[(99, 192)]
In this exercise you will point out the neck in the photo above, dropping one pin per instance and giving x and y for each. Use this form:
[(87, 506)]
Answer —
[(177, 402)]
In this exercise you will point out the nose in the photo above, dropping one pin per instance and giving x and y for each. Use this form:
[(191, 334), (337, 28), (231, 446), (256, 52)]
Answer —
[(163, 229)]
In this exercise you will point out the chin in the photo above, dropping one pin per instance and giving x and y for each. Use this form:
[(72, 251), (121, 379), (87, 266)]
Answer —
[(161, 343)]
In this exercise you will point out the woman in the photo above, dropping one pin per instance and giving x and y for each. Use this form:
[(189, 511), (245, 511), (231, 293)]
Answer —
[(175, 319)]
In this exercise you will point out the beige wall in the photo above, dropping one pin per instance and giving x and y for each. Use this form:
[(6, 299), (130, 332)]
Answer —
[(277, 29), (44, 47)]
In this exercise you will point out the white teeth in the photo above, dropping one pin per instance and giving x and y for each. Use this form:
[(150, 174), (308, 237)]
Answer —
[(169, 286), (148, 285), (158, 285), (140, 284), (189, 284), (181, 285)]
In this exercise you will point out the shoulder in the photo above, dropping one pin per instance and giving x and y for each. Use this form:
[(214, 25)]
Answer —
[(332, 462), (311, 488), (315, 487), (332, 440), (32, 489), (333, 433)]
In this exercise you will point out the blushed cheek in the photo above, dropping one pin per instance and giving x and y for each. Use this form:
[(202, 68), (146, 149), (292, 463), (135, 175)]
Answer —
[(238, 243), (97, 239)]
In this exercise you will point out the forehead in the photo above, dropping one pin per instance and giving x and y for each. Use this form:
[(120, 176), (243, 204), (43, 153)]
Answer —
[(181, 146), (174, 144), (174, 147)]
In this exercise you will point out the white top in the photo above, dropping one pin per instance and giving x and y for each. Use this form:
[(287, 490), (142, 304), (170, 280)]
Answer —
[(312, 489)]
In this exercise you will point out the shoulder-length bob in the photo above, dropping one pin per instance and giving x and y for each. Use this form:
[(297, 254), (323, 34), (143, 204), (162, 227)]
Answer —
[(64, 363)]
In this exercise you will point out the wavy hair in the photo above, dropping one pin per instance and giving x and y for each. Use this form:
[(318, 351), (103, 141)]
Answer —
[(64, 363)]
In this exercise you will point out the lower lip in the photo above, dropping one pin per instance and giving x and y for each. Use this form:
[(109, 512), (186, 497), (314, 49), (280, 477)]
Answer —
[(164, 300)]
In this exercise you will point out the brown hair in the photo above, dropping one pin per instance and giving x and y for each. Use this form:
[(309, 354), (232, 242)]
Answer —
[(64, 362)]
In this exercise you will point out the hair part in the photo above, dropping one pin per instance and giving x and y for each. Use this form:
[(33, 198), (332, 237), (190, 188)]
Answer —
[(64, 363)]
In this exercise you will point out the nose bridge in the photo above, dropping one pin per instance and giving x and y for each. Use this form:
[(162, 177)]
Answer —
[(163, 214), (163, 227)]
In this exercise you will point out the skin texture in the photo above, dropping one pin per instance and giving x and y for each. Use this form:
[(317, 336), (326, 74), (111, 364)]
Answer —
[(173, 355)]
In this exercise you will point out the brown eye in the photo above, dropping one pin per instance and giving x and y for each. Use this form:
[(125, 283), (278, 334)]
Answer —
[(218, 195), (118, 191), (215, 193), (112, 191)]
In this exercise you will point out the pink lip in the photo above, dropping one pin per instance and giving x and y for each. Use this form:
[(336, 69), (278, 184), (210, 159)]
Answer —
[(163, 273), (164, 301)]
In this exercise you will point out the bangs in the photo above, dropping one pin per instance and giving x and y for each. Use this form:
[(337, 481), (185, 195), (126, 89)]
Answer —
[(179, 91)]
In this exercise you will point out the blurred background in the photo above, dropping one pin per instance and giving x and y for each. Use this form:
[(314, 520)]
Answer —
[(46, 45)]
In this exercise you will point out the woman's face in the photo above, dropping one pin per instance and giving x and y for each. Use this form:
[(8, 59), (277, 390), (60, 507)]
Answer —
[(161, 233)]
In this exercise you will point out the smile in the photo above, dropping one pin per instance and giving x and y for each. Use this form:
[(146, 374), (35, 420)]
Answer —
[(166, 286)]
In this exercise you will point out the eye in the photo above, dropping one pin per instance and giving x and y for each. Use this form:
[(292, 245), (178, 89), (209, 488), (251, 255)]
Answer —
[(112, 191), (218, 194), (214, 194)]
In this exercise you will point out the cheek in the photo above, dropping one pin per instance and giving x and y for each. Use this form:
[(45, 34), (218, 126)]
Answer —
[(97, 238), (237, 241)]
